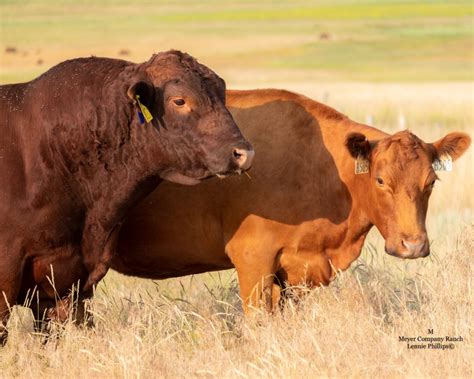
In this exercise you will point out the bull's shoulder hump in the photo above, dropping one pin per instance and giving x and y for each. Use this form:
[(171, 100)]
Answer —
[(256, 97), (90, 67), (93, 61), (61, 72)]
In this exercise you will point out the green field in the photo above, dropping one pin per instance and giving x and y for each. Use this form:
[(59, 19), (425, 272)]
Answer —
[(343, 40)]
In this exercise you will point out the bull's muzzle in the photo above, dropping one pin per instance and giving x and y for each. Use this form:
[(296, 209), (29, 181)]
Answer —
[(243, 158)]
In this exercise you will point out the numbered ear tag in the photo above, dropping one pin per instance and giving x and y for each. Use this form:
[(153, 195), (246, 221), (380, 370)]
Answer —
[(143, 114), (443, 163), (361, 165)]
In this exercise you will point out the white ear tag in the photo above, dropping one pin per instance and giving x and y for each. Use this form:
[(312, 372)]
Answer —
[(361, 165), (443, 163)]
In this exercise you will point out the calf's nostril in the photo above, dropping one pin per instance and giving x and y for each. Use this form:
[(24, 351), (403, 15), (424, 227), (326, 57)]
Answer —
[(414, 246)]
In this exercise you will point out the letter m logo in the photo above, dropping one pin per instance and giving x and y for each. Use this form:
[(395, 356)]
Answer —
[(430, 331)]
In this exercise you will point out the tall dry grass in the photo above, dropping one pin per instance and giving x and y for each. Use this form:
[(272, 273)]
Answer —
[(349, 329)]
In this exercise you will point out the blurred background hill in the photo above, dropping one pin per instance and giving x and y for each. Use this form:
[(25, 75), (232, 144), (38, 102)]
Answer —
[(249, 42)]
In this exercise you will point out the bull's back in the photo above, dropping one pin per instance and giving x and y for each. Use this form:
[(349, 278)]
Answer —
[(13, 109)]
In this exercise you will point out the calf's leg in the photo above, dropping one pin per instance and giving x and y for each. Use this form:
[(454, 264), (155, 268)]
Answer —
[(256, 273)]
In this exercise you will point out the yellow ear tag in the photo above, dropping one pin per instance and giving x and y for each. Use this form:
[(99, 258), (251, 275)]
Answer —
[(146, 113)]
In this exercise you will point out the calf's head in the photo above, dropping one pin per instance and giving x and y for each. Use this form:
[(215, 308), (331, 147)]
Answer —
[(197, 135), (400, 173)]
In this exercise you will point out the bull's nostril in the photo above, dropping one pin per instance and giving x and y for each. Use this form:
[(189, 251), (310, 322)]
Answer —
[(237, 154), (243, 158)]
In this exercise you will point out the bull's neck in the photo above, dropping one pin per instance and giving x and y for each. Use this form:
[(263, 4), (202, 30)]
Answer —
[(109, 155)]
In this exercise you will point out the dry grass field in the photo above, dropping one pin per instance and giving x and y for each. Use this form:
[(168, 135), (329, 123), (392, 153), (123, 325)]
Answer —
[(395, 64)]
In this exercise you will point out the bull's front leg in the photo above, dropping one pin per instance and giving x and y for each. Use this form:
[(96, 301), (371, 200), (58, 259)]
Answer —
[(99, 245), (71, 307), (11, 273), (104, 220)]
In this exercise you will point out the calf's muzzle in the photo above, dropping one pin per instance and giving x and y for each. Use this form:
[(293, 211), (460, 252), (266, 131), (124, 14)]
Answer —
[(416, 247)]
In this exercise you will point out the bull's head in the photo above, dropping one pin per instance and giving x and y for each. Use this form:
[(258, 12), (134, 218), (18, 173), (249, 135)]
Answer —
[(401, 175), (198, 137)]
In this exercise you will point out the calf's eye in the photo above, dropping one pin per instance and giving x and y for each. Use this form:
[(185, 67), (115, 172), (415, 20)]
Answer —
[(379, 181), (179, 102)]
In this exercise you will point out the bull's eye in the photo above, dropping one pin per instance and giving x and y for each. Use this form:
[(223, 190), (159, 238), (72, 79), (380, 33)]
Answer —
[(379, 181), (179, 102)]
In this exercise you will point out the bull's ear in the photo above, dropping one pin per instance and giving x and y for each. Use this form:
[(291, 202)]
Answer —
[(145, 90), (454, 144)]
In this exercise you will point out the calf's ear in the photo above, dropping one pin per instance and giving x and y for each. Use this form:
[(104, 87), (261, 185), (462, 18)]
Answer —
[(145, 91), (454, 144), (359, 146)]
